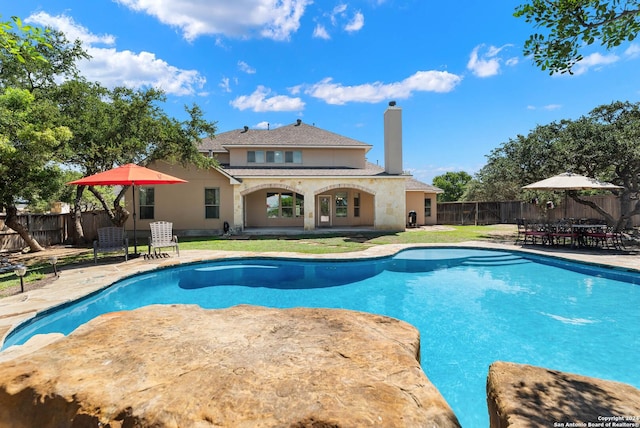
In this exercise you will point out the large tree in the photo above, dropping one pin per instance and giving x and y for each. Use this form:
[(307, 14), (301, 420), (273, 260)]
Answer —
[(31, 137), (28, 146), (453, 184), (119, 126), (567, 26), (604, 144)]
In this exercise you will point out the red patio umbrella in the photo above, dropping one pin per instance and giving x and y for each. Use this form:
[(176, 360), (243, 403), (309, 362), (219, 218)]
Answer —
[(128, 175)]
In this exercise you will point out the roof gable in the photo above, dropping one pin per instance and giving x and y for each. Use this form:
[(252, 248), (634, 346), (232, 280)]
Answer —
[(295, 135)]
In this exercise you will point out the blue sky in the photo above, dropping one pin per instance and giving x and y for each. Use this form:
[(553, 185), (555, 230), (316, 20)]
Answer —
[(456, 68)]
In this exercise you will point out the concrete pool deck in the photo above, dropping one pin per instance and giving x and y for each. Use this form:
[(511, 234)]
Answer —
[(75, 282)]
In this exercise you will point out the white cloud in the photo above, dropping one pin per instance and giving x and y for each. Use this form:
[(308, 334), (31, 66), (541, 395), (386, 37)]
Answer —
[(336, 12), (548, 107), (71, 29), (338, 18), (113, 68), (320, 32), (633, 51), (487, 64), (595, 60), (224, 84), (271, 19), (421, 81), (243, 66), (260, 101), (356, 23)]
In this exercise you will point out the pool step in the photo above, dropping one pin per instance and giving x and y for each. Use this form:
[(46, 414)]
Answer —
[(502, 260)]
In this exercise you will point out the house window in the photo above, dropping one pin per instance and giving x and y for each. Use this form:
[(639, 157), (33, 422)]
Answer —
[(255, 156), (273, 205), (147, 203), (356, 205), (275, 156), (293, 156), (284, 205), (299, 205), (341, 204), (427, 207), (212, 203)]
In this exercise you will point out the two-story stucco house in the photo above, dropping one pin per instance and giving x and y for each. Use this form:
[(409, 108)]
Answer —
[(295, 176)]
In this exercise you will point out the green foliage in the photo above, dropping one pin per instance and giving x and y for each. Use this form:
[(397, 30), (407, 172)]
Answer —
[(570, 25), (605, 145), (453, 184), (22, 41), (28, 144)]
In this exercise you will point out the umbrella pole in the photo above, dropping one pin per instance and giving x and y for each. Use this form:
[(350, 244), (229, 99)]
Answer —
[(135, 239)]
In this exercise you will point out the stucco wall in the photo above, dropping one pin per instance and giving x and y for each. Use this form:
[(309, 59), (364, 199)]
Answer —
[(183, 204), (415, 202), (383, 204)]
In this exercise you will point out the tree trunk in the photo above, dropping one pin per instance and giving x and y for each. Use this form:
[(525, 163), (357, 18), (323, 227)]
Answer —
[(118, 214), (79, 238), (608, 217), (13, 223), (628, 210)]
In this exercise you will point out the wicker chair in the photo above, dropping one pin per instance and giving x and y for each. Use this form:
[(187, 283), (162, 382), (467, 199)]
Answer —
[(111, 239), (162, 237)]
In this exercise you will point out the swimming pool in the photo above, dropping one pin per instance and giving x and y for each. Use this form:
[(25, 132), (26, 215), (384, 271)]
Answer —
[(472, 307)]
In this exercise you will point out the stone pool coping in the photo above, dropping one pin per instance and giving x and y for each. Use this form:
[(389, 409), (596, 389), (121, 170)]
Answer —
[(77, 282)]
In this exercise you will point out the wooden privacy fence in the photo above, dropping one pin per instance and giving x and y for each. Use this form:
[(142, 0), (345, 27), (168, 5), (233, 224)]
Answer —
[(51, 229), (482, 213)]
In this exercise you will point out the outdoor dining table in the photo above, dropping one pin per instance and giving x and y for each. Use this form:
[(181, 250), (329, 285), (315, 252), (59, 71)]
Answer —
[(581, 231)]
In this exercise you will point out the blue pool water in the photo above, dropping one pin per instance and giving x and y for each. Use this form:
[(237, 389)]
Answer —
[(472, 307)]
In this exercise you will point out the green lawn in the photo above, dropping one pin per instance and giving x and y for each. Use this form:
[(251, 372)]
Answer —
[(39, 268)]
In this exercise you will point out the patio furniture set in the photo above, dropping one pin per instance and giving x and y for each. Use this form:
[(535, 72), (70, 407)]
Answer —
[(114, 239), (583, 233)]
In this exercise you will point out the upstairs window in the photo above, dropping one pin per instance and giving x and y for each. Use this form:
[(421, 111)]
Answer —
[(275, 156), (255, 156), (293, 156)]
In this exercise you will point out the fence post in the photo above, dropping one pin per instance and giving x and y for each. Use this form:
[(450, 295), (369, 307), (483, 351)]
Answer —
[(476, 217)]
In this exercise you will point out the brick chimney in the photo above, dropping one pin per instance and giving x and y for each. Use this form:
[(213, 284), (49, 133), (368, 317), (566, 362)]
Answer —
[(393, 139)]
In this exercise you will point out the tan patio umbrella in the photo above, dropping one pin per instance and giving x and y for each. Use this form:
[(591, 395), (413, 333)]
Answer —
[(128, 175), (570, 181)]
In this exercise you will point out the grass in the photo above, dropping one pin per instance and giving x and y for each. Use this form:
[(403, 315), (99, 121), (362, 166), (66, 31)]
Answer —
[(39, 267)]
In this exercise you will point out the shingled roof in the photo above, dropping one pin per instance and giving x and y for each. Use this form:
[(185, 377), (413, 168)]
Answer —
[(295, 135), (419, 186), (370, 170)]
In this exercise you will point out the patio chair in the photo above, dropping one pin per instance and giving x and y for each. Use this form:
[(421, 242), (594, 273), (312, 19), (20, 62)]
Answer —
[(111, 239), (562, 230), (520, 223), (605, 236), (162, 237), (533, 231)]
